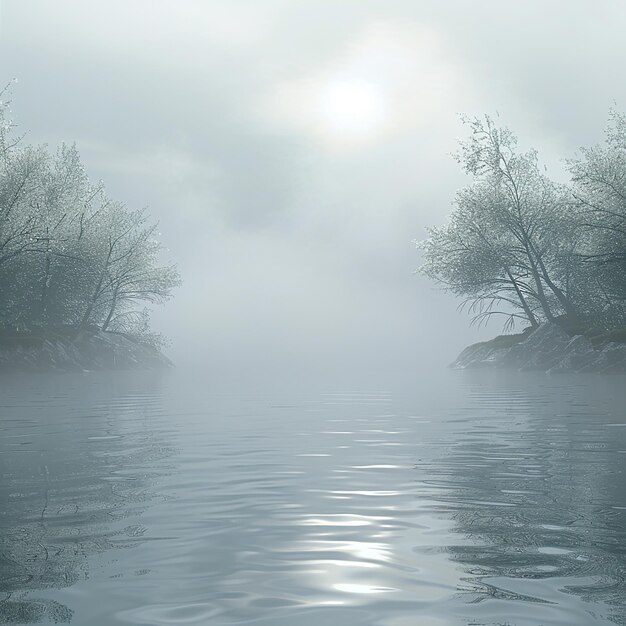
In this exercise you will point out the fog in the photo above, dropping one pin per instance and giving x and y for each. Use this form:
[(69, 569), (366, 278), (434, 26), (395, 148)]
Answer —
[(311, 459), (292, 151)]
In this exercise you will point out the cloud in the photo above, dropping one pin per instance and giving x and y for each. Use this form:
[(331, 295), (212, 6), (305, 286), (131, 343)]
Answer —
[(295, 243), (398, 73)]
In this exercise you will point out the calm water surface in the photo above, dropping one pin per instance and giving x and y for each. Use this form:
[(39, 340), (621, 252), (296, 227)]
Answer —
[(462, 500)]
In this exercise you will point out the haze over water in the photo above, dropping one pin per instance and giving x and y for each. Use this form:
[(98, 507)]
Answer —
[(311, 462), (458, 499)]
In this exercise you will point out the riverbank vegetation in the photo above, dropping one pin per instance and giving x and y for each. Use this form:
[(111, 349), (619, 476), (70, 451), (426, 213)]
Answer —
[(71, 258), (522, 247)]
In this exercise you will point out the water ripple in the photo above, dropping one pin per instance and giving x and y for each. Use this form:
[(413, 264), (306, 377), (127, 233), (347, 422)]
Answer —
[(484, 501)]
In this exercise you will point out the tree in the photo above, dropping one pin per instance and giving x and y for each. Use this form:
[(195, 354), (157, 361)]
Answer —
[(64, 203), (69, 255), (20, 184), (509, 240), (476, 263), (599, 189), (124, 257)]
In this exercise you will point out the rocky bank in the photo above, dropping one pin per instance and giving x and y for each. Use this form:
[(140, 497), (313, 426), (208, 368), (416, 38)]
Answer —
[(549, 349), (85, 351)]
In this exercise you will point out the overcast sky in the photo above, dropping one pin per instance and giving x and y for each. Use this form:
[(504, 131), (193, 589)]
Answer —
[(293, 149)]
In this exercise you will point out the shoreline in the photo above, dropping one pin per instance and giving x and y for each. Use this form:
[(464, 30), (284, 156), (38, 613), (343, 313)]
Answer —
[(548, 348), (70, 351)]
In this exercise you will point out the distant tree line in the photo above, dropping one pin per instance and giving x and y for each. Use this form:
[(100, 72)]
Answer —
[(69, 255), (519, 245)]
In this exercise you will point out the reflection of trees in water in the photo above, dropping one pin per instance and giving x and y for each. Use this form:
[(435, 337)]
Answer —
[(77, 460), (536, 488)]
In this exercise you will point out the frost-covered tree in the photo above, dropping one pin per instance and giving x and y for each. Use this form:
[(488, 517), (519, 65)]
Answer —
[(477, 264), (20, 184), (124, 263), (599, 189), (69, 255), (60, 265), (508, 247)]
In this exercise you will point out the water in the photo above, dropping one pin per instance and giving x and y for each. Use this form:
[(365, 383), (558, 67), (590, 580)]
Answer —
[(466, 499)]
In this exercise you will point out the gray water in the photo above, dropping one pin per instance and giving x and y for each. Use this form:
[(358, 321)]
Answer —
[(158, 499)]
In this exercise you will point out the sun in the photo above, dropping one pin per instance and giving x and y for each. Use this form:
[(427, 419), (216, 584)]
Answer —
[(352, 108)]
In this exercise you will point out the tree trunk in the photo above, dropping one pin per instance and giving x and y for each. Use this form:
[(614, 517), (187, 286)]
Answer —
[(92, 303), (107, 321), (96, 293), (43, 303), (541, 294), (527, 310), (557, 291)]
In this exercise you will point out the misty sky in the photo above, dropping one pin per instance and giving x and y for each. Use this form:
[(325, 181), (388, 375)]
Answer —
[(293, 149)]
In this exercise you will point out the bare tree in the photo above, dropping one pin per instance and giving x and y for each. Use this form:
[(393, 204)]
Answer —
[(599, 189), (69, 255), (127, 270), (508, 246)]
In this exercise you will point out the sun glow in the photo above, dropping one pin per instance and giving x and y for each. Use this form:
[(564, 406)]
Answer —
[(392, 78), (351, 107)]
